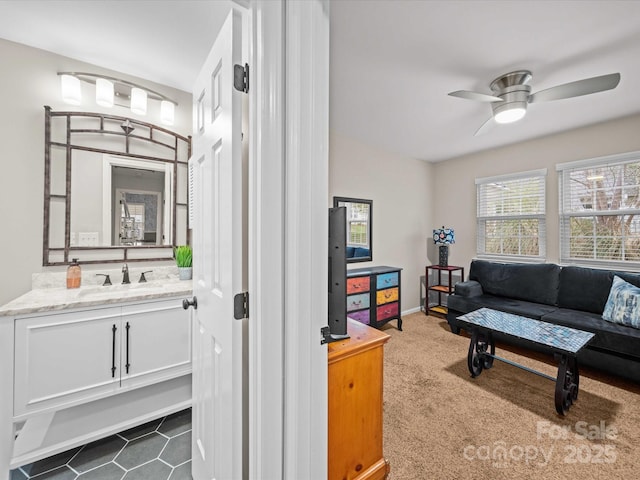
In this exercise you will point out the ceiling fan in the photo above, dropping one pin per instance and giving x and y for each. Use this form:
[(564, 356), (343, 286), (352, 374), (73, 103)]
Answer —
[(511, 94)]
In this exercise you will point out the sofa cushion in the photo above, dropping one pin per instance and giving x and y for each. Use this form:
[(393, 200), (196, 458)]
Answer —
[(530, 282), (458, 303), (622, 304), (584, 288), (609, 336), (632, 278), (361, 252), (588, 289)]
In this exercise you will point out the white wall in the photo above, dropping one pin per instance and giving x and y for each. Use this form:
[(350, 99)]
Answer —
[(455, 192), (29, 81), (401, 190)]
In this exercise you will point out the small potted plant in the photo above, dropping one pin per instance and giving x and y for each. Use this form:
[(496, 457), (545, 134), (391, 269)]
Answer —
[(183, 254)]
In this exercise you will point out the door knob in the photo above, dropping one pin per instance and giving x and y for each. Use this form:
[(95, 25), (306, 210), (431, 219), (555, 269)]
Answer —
[(186, 303)]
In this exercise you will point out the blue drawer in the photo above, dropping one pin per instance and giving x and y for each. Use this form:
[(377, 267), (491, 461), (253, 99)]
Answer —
[(387, 280)]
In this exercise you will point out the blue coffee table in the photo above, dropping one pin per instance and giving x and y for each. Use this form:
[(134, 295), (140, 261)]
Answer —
[(563, 342)]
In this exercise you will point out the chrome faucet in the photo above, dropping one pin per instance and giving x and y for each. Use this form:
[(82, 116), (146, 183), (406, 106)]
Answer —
[(125, 274)]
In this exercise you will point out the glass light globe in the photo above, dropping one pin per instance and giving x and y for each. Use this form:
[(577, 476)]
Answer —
[(510, 115)]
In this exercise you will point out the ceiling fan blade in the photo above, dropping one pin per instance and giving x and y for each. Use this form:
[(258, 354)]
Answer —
[(478, 97), (485, 127), (578, 88)]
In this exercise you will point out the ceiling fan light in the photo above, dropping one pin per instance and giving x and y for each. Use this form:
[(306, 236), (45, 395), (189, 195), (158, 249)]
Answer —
[(71, 91), (104, 92), (138, 101), (510, 115)]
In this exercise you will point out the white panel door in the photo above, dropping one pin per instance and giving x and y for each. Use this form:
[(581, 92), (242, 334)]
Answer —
[(216, 166)]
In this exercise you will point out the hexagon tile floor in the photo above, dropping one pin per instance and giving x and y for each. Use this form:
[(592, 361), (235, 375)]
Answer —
[(158, 450)]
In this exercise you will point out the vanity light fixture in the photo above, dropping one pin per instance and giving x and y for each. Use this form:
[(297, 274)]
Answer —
[(104, 92), (115, 91), (71, 91), (167, 112), (138, 101)]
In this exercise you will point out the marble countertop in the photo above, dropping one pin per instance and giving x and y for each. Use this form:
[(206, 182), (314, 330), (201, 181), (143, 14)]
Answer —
[(60, 298)]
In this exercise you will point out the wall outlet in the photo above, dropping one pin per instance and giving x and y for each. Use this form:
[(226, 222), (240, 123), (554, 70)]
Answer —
[(88, 239)]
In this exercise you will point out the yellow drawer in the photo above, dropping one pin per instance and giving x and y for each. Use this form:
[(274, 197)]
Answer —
[(386, 296)]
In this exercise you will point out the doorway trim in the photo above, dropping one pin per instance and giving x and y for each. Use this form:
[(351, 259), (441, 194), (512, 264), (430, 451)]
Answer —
[(288, 201)]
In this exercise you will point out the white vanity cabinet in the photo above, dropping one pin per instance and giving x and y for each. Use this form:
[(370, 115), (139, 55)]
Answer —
[(89, 366), (69, 357), (156, 343), (64, 358)]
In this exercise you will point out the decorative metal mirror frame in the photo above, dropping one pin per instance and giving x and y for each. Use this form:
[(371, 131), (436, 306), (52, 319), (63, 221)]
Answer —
[(69, 146)]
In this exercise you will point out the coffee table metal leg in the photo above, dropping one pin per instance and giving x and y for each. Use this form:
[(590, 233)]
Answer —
[(576, 377), (566, 383), (473, 359), (480, 354), (490, 348)]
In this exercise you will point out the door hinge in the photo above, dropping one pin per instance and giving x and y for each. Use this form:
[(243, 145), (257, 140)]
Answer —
[(328, 337), (241, 77), (325, 333), (241, 306)]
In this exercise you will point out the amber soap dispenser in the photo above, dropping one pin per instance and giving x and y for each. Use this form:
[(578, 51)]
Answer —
[(74, 274)]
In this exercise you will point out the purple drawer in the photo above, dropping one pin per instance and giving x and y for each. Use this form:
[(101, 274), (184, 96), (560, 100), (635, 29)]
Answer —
[(362, 316)]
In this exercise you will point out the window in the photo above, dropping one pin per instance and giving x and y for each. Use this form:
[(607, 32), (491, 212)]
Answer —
[(511, 216), (600, 211), (358, 224)]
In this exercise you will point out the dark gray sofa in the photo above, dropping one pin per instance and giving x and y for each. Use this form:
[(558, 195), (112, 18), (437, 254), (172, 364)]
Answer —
[(570, 296)]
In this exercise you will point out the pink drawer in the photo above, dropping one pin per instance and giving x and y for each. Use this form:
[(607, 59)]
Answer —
[(387, 311), (362, 316)]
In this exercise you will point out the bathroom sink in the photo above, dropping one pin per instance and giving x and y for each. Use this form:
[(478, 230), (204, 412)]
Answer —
[(124, 290)]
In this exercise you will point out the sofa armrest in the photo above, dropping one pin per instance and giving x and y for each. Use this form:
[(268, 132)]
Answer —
[(470, 288)]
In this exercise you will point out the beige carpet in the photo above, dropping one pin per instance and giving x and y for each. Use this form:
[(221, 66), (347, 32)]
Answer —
[(439, 423)]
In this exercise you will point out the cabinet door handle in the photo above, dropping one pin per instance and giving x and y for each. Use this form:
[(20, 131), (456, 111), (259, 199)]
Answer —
[(127, 364), (113, 350)]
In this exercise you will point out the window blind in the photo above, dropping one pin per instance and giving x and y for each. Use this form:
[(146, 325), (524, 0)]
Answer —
[(600, 211), (511, 216)]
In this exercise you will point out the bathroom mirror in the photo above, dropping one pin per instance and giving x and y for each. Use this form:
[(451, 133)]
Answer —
[(115, 189), (359, 240)]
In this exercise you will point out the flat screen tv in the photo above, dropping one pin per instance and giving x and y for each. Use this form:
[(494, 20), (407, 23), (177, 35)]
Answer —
[(337, 329)]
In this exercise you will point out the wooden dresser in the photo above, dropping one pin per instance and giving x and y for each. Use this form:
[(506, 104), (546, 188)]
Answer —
[(355, 405)]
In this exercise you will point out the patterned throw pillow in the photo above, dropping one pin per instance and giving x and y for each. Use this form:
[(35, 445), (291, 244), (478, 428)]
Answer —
[(623, 304)]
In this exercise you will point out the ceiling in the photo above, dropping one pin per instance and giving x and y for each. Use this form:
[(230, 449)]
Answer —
[(392, 62)]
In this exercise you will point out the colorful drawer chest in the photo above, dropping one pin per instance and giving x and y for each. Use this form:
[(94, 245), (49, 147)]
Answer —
[(373, 295)]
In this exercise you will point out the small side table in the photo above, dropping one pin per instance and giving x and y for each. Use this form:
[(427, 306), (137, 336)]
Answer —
[(442, 285)]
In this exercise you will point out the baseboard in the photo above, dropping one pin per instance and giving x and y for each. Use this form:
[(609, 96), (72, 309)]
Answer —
[(411, 310)]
